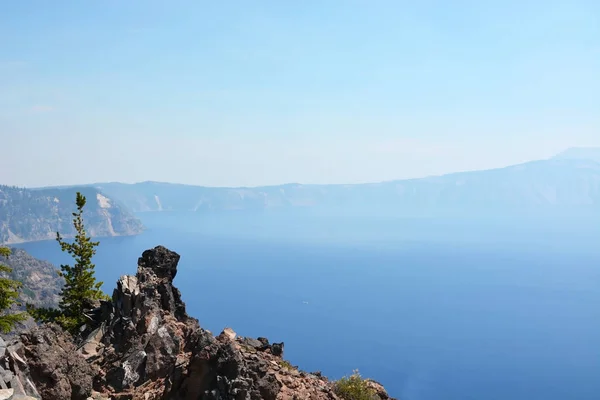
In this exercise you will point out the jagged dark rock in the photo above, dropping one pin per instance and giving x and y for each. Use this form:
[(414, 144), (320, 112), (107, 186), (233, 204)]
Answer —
[(144, 346), (277, 349), (43, 363)]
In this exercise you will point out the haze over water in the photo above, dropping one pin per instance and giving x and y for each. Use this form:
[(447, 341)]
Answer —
[(232, 94), (432, 308)]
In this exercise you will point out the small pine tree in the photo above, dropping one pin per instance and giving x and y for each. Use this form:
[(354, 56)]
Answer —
[(81, 288), (9, 295)]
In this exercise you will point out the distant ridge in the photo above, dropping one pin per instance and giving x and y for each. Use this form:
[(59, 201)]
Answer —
[(580, 153), (572, 153), (568, 182)]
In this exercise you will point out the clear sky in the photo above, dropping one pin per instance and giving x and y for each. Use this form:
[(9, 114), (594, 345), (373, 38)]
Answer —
[(312, 91)]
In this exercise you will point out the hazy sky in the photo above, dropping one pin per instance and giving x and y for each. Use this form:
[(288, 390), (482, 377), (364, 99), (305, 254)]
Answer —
[(265, 92)]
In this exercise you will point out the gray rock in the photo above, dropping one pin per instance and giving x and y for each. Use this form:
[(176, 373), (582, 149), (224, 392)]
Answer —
[(6, 376), (16, 385), (162, 353), (254, 343), (127, 373), (24, 397), (2, 347), (6, 394)]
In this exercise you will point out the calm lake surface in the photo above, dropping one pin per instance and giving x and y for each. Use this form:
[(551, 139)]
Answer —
[(432, 308)]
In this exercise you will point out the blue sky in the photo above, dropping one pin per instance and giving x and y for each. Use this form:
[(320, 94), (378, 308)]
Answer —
[(266, 92)]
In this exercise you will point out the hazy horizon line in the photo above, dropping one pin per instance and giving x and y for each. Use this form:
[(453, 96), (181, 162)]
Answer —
[(288, 183)]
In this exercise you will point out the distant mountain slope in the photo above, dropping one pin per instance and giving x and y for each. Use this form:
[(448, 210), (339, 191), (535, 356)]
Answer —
[(27, 215), (41, 282), (580, 153), (555, 183)]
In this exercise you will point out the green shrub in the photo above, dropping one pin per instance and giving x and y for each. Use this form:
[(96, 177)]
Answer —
[(286, 364), (354, 387)]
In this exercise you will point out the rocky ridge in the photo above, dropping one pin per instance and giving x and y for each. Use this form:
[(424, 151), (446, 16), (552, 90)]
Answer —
[(142, 345)]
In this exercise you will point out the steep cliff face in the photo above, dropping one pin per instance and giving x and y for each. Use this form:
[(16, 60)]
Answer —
[(29, 215), (143, 345)]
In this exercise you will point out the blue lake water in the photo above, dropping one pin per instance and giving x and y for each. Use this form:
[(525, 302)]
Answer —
[(433, 309)]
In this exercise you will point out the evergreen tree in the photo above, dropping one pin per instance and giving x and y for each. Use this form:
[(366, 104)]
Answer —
[(9, 294), (81, 289)]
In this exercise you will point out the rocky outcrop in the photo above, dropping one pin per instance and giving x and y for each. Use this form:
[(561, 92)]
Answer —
[(29, 215), (15, 381), (44, 364), (144, 346), (57, 368)]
